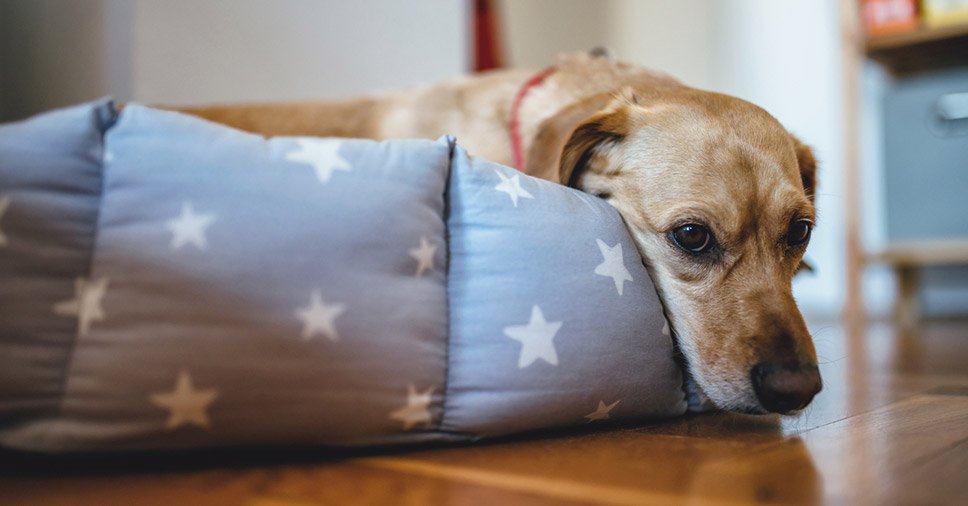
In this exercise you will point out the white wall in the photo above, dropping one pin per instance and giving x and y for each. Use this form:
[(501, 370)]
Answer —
[(534, 31), (192, 51), (678, 37), (674, 36), (59, 52)]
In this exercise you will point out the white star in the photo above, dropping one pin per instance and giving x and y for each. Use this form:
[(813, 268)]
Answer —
[(322, 154), (665, 328), (537, 339), (185, 405), (86, 304), (417, 410), (189, 228), (602, 413), (613, 265), (4, 204), (100, 152), (424, 255), (318, 317), (512, 186)]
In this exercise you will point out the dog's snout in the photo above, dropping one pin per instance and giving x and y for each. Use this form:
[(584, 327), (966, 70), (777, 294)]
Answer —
[(786, 387)]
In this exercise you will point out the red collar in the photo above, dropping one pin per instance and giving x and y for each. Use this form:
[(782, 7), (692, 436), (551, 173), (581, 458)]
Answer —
[(514, 125)]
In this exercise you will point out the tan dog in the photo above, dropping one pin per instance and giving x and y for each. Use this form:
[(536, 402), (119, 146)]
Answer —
[(717, 194)]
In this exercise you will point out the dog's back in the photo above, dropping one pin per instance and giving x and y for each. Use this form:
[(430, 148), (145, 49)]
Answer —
[(475, 109)]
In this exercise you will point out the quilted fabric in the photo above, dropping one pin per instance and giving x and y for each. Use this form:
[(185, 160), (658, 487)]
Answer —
[(50, 185), (554, 320), (167, 282)]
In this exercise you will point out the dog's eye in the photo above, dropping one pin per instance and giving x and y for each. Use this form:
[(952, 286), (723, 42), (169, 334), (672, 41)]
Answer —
[(799, 232), (693, 238)]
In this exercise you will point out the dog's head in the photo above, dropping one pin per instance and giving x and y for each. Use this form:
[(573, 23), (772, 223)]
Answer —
[(719, 199)]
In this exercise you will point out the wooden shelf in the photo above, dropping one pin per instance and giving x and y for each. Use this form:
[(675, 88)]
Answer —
[(924, 48), (924, 253), (916, 37)]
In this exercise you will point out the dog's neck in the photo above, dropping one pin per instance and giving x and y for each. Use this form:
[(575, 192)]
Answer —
[(514, 122)]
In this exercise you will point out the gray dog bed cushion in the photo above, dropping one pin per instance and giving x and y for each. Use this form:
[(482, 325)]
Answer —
[(167, 282)]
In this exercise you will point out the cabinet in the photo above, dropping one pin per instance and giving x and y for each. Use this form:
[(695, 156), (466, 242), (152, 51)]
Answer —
[(926, 155)]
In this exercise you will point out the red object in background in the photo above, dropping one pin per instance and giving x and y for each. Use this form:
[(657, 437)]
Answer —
[(882, 17), (487, 54)]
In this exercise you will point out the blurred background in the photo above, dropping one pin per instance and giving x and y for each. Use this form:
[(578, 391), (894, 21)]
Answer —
[(878, 88)]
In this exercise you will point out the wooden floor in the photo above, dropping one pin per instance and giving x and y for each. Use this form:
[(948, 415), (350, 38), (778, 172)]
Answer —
[(890, 427)]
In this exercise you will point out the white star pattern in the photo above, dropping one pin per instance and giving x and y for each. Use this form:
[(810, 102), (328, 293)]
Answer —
[(4, 204), (512, 186), (602, 413), (322, 154), (185, 405), (86, 304), (189, 228), (424, 255), (417, 410), (613, 265), (536, 338), (319, 317)]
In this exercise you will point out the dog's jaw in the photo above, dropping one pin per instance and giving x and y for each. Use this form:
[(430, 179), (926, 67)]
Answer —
[(730, 391)]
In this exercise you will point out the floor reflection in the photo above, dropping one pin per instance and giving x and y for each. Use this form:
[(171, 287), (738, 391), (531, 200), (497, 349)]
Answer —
[(784, 473)]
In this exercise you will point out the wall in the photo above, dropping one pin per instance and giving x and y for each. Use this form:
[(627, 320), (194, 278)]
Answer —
[(677, 37), (190, 51), (534, 31), (59, 52), (672, 36), (50, 54)]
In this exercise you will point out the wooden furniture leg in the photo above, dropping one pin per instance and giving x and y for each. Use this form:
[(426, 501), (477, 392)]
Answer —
[(908, 311)]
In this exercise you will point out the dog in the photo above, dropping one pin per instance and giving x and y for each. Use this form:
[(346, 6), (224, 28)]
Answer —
[(717, 195)]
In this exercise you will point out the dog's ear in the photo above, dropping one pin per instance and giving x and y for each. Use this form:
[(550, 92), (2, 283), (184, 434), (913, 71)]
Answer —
[(808, 168), (805, 267), (544, 154), (808, 176), (592, 136)]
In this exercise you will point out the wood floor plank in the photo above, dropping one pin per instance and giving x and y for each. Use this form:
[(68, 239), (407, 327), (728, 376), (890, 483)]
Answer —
[(548, 488), (626, 463), (872, 456), (940, 479), (338, 483), (847, 462)]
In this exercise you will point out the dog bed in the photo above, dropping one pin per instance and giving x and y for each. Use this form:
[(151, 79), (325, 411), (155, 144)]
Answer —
[(166, 282)]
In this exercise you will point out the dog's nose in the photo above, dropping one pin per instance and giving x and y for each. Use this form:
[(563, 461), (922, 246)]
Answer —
[(782, 388)]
